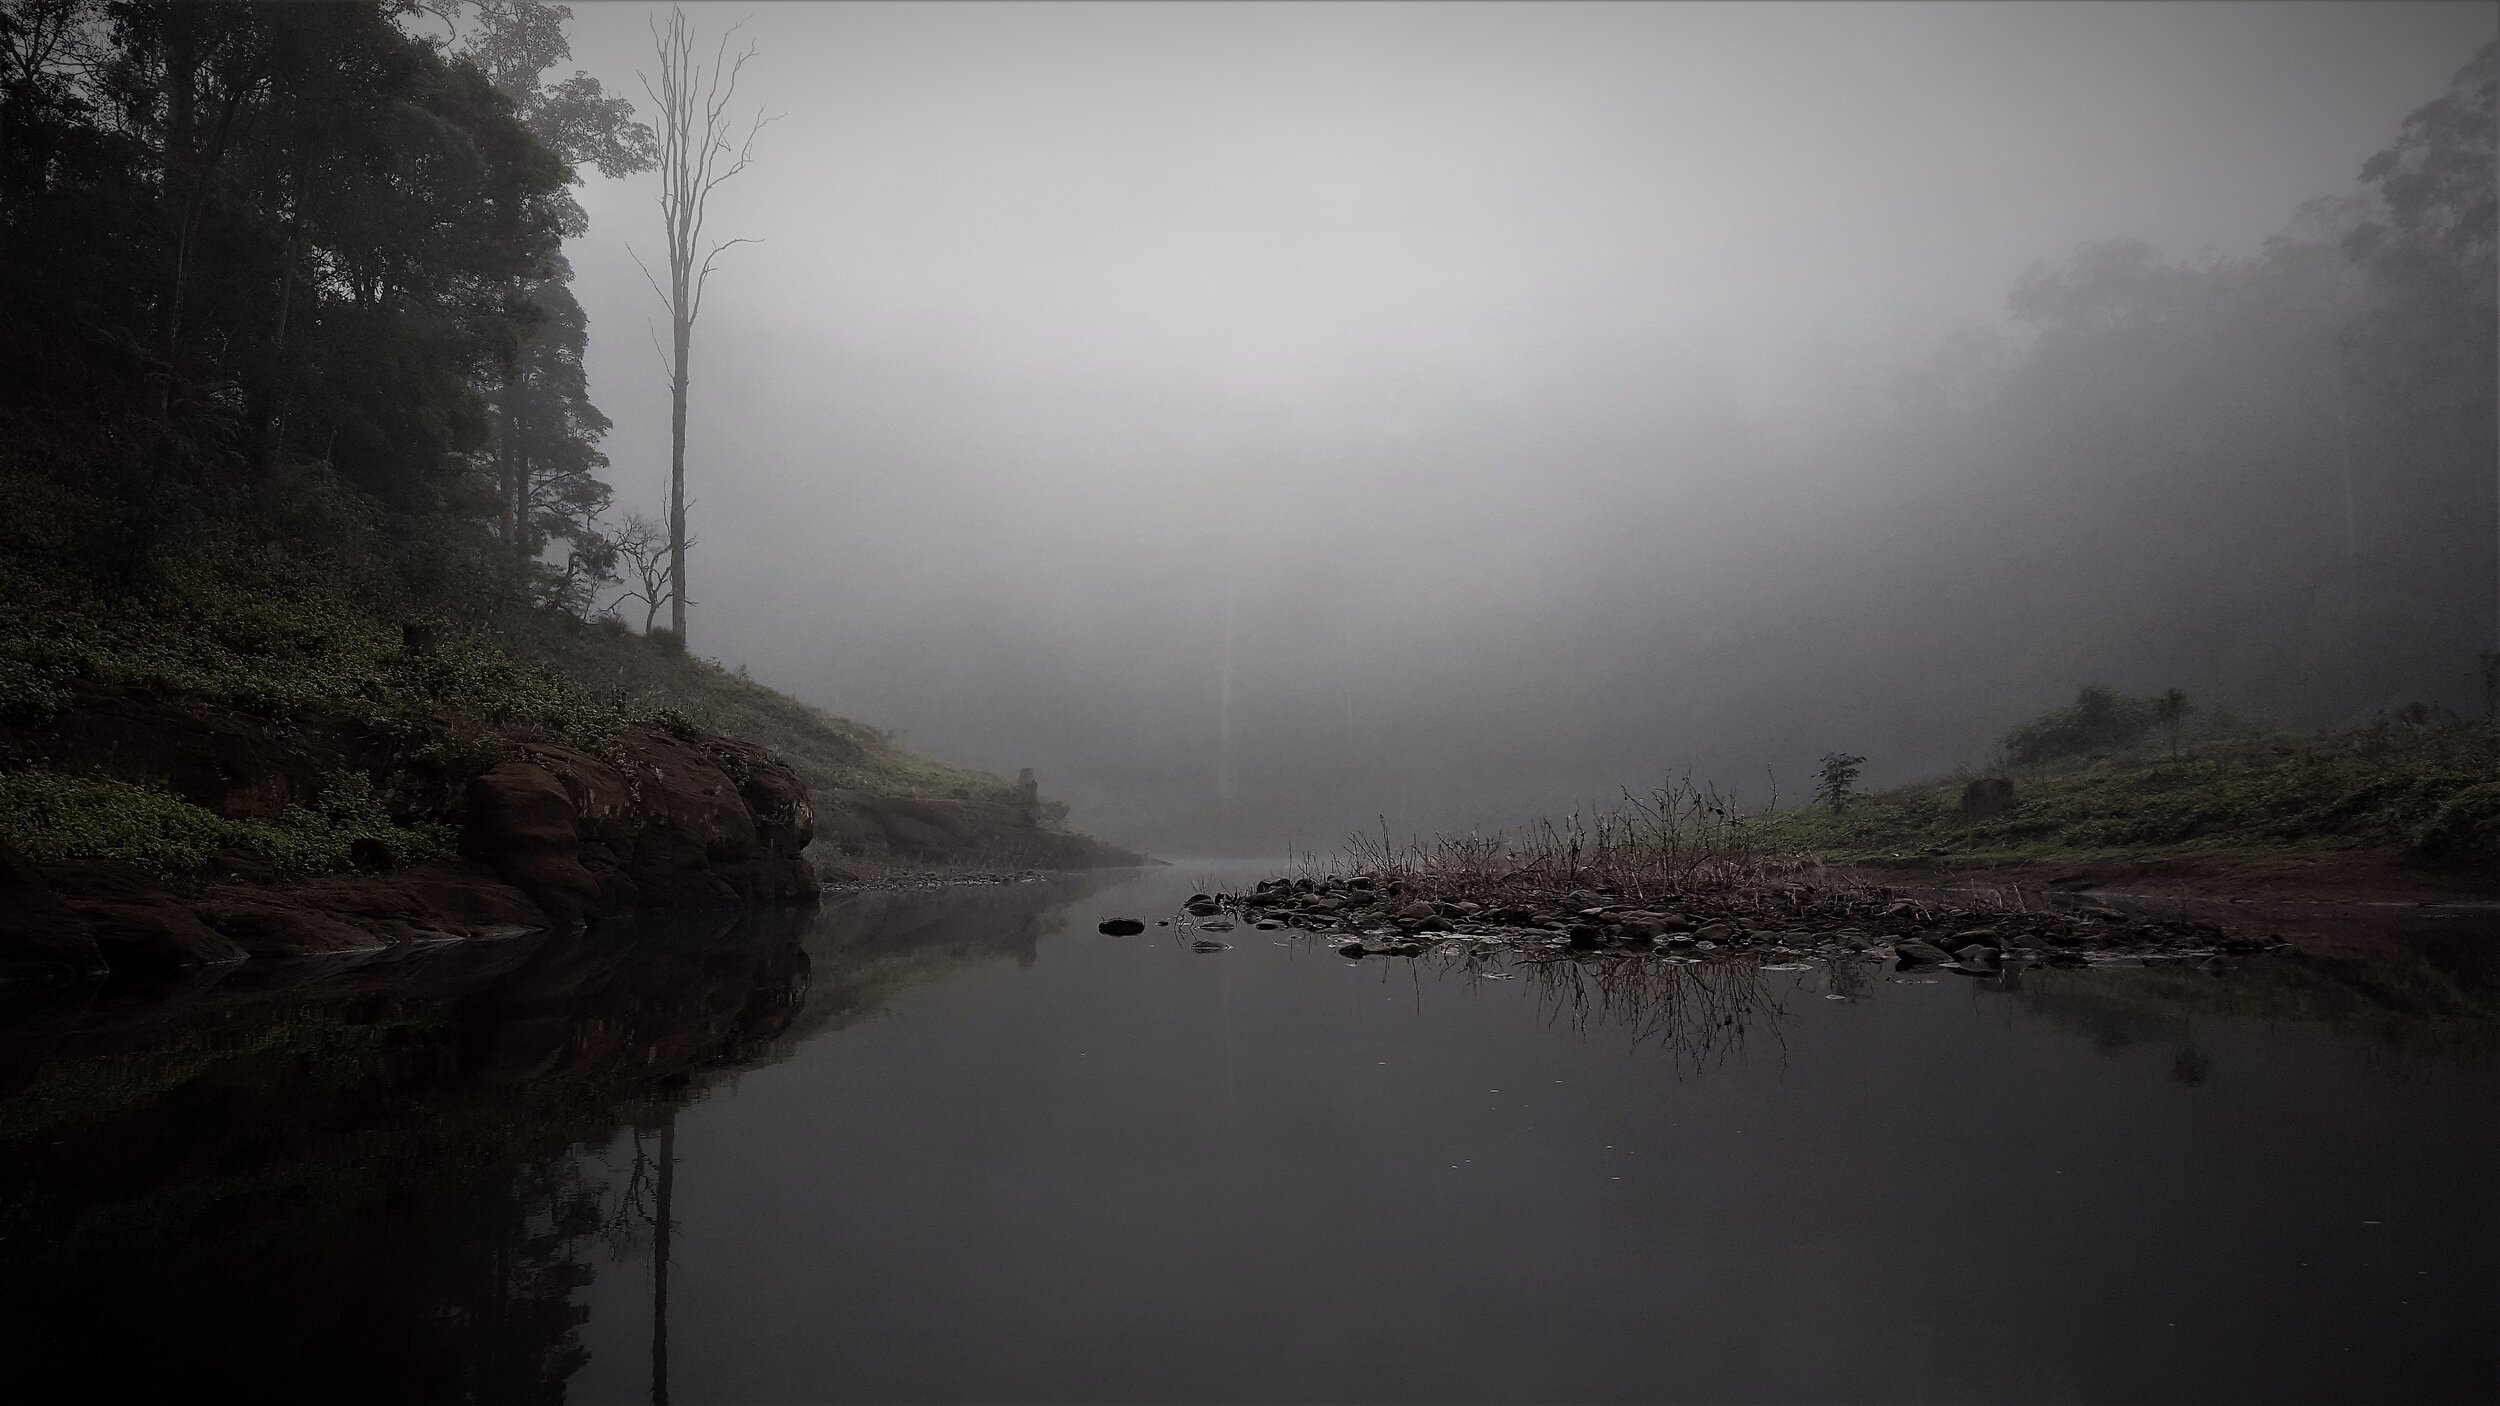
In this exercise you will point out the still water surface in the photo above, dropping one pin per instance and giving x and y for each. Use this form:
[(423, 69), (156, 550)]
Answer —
[(959, 1146)]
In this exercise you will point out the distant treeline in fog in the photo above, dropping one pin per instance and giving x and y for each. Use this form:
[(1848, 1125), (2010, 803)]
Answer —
[(2268, 478)]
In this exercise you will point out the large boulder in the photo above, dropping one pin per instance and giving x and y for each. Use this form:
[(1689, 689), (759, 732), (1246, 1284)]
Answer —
[(679, 823)]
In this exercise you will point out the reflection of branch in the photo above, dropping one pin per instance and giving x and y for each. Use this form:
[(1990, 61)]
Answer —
[(1698, 1011)]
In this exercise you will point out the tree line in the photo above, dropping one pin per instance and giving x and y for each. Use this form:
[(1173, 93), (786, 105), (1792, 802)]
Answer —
[(302, 265)]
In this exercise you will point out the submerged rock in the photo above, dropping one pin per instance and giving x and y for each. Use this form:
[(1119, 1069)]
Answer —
[(1120, 927)]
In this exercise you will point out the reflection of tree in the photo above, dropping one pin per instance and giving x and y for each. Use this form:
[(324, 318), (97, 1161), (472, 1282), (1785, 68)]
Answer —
[(388, 1181), (662, 1228), (372, 1197)]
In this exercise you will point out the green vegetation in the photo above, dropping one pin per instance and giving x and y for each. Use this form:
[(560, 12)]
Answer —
[(638, 677), (48, 816), (2419, 786), (247, 616), (2098, 722), (293, 417)]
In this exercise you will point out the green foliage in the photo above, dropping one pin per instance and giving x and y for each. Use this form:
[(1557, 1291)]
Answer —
[(293, 265), (48, 816), (2099, 721), (272, 631), (2431, 793), (1837, 782)]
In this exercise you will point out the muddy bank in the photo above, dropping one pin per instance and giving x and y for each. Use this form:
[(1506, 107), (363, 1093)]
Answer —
[(550, 836)]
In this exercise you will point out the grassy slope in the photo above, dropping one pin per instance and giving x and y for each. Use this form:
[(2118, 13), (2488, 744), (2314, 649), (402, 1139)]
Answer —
[(2426, 798), (268, 630), (828, 752)]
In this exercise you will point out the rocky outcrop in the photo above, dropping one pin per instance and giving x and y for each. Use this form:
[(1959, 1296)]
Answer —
[(551, 836), (680, 822)]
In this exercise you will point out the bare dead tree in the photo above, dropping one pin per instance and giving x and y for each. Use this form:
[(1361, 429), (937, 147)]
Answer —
[(645, 546), (699, 150)]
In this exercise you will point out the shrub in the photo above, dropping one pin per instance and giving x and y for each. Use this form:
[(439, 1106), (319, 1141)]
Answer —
[(2099, 721), (2466, 822), (1837, 782)]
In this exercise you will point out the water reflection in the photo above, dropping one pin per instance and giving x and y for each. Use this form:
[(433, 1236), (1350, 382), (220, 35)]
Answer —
[(360, 1179), (416, 1178)]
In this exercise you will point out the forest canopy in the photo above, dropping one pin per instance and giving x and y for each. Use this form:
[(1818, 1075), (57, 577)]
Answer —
[(298, 267)]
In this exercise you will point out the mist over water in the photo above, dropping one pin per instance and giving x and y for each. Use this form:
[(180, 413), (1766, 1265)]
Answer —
[(1268, 421)]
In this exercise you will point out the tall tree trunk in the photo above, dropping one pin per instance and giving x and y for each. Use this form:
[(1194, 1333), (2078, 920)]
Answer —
[(659, 1261), (182, 86), (508, 477), (269, 407), (677, 481)]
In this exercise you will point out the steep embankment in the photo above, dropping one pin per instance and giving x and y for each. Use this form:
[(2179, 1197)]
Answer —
[(153, 830), (252, 752)]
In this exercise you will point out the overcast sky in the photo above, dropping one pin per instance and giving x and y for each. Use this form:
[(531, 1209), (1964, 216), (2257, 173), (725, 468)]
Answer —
[(1067, 310)]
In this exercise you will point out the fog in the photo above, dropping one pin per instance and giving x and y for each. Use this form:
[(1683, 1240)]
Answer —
[(1267, 421)]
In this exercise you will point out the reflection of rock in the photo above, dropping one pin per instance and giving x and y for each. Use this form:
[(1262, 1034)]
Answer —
[(40, 938), (339, 1173), (863, 947)]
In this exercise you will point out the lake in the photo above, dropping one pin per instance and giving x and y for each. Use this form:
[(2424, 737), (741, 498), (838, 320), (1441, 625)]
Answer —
[(955, 1145)]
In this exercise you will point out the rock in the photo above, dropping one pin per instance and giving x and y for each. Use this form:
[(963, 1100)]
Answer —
[(1987, 798), (1209, 945), (1585, 934), (1203, 908), (1916, 953), (1353, 949), (1219, 925), (41, 940), (1436, 923), (1120, 927), (1419, 910)]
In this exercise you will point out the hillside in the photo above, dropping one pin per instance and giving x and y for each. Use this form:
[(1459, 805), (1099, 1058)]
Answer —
[(265, 640), (2412, 801)]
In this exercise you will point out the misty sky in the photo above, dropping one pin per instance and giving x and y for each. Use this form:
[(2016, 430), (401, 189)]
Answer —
[(1069, 322)]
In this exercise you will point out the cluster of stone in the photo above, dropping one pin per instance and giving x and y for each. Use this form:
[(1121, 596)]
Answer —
[(1382, 916)]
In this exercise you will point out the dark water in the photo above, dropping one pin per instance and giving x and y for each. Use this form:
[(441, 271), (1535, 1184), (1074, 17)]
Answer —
[(958, 1146)]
